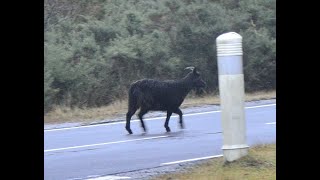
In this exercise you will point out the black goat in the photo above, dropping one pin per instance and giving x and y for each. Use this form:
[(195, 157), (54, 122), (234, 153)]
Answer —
[(153, 95)]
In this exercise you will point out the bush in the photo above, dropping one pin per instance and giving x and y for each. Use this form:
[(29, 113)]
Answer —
[(95, 49)]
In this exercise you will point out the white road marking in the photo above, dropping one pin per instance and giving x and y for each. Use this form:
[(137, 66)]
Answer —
[(101, 144), (110, 178), (253, 107), (189, 160), (149, 119), (271, 123)]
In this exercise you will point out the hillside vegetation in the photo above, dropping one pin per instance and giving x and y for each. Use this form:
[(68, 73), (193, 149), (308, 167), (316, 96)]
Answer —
[(94, 49)]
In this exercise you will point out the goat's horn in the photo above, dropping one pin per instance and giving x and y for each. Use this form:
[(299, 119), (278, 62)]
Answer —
[(191, 68)]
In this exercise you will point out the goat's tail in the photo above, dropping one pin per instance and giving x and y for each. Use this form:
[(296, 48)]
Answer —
[(133, 102)]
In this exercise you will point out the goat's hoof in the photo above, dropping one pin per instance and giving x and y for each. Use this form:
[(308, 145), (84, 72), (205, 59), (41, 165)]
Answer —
[(129, 131), (168, 130), (182, 126), (144, 129)]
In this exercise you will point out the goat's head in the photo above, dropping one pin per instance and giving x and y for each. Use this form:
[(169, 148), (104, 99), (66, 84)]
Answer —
[(195, 78)]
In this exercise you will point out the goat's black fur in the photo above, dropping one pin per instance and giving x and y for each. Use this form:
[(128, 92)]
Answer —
[(154, 95)]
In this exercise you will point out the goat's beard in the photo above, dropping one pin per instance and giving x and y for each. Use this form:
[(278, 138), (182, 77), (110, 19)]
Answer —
[(199, 91)]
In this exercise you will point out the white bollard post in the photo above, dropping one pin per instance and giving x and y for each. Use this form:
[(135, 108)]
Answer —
[(231, 89)]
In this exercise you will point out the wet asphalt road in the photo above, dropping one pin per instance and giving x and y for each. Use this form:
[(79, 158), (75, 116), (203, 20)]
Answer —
[(106, 149)]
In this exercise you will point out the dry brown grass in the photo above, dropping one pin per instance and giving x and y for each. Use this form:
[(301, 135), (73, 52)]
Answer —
[(260, 163), (209, 100), (64, 114), (118, 108)]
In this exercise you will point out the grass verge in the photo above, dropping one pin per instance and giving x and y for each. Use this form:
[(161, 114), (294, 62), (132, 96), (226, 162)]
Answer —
[(62, 114), (260, 163)]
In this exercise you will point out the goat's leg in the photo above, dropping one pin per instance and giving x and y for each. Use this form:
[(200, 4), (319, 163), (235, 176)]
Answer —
[(128, 118), (179, 112), (140, 115), (166, 124)]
